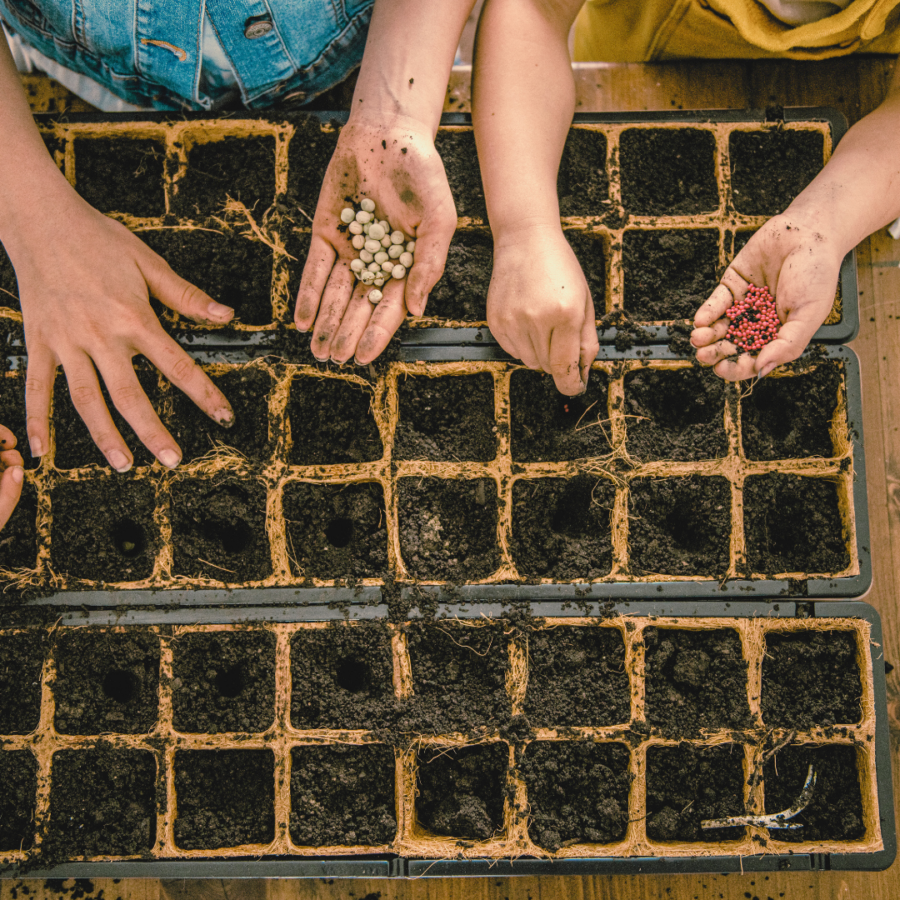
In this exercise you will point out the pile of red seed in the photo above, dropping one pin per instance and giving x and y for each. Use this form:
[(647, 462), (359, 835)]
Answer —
[(754, 320)]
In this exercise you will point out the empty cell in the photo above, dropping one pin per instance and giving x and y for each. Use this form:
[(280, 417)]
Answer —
[(121, 174), (582, 183), (9, 289), (561, 528), (461, 293), (590, 251), (223, 681), (226, 798), (21, 663), (18, 775), (19, 537), (309, 153), (12, 412), (456, 147), (342, 796)]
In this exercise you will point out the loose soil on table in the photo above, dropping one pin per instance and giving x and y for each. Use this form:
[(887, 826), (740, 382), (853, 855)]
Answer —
[(577, 792), (793, 524), (309, 153), (687, 784), (582, 183), (224, 682), (342, 796), (462, 291), (9, 289), (18, 775), (811, 679), (21, 662), (18, 538), (106, 682), (122, 175), (561, 528), (696, 680), (460, 792), (12, 414), (460, 158), (590, 251)]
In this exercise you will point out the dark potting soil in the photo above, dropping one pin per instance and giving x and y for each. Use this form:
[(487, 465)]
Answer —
[(448, 529), (297, 245), (223, 682), (550, 427), (696, 680), (741, 238), (9, 289), (219, 529), (123, 175), (342, 795), (676, 414), (768, 170), (102, 802), (460, 792), (18, 538), (561, 528), (332, 423), (811, 678), (462, 290), (18, 775), (590, 251), (582, 183), (21, 662), (687, 784), (106, 682), (793, 524), (668, 274), (309, 153), (12, 414), (679, 526), (226, 798), (457, 150), (788, 418), (242, 168), (446, 418), (577, 677), (577, 792), (336, 530), (668, 171), (122, 546), (342, 677)]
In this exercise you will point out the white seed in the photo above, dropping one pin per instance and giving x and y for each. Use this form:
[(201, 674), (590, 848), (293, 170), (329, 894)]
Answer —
[(347, 215), (398, 271), (375, 295), (366, 277), (381, 257), (395, 250), (374, 267), (387, 266), (411, 247), (386, 242), (368, 205), (365, 256), (376, 231), (355, 227), (363, 217), (397, 237), (385, 225), (372, 246), (406, 259), (366, 227), (379, 280), (357, 265), (358, 241)]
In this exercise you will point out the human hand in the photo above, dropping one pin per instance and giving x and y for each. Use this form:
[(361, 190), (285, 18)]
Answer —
[(13, 474), (395, 164)]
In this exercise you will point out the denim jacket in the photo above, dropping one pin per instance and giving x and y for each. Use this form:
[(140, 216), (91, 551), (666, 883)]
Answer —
[(149, 52)]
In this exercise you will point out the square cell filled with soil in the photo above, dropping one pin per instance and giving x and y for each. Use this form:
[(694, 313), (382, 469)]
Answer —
[(577, 677), (448, 529), (309, 153), (811, 678), (590, 251), (456, 147), (446, 419), (668, 171), (120, 539), (582, 183), (18, 775), (102, 803), (121, 174), (342, 796), (770, 168), (695, 680), (336, 530), (793, 524), (332, 423), (19, 537), (460, 792), (687, 784), (9, 288), (21, 664), (561, 528), (668, 274), (223, 681), (462, 290), (342, 677), (577, 792), (679, 526), (297, 245), (548, 426), (12, 412), (226, 798)]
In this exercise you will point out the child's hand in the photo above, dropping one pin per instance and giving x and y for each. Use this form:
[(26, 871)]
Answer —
[(800, 266), (12, 477), (539, 307)]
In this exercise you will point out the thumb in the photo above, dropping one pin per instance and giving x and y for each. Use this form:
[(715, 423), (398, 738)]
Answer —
[(173, 291), (10, 491), (590, 346), (792, 339), (432, 244)]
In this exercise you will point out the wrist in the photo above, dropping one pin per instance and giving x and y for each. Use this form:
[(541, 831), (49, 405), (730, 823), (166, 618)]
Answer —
[(528, 229)]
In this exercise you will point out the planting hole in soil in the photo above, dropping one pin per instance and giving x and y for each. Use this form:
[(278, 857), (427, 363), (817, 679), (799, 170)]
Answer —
[(590, 249), (461, 293), (18, 775), (21, 662), (456, 147), (12, 414), (121, 175), (583, 183)]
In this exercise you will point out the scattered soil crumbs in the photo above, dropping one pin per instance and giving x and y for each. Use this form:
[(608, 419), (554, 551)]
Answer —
[(460, 792), (448, 529), (696, 680), (106, 682), (124, 544), (121, 175), (332, 423), (668, 172), (224, 682), (561, 528), (679, 526), (102, 802), (342, 677), (687, 784), (309, 153), (793, 524), (21, 662), (769, 170), (226, 798), (462, 291), (18, 538), (590, 251), (457, 150), (18, 775), (549, 427), (342, 796), (741, 239), (446, 418), (336, 530), (582, 183), (577, 793), (9, 289), (789, 418), (577, 677), (12, 414), (668, 274), (810, 679)]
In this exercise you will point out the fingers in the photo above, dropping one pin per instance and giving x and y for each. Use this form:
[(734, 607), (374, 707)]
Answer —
[(356, 319), (719, 300), (790, 342), (716, 352), (319, 263), (564, 362), (590, 346), (39, 381), (335, 299), (703, 337), (386, 319), (7, 438), (10, 491), (433, 238), (736, 368), (176, 293)]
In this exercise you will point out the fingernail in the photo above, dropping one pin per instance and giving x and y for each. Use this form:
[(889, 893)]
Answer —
[(225, 417), (765, 370), (37, 446), (118, 460), (18, 474), (169, 458), (218, 310)]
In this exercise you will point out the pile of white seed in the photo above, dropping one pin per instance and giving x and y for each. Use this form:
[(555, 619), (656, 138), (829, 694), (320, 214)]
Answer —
[(384, 253)]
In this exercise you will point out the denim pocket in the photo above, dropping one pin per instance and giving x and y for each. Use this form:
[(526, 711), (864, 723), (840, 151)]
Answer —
[(49, 19)]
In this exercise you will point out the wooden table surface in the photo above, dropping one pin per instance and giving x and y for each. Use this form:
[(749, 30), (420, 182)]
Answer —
[(854, 86)]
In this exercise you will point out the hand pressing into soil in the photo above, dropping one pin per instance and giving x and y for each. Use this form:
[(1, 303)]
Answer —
[(13, 474)]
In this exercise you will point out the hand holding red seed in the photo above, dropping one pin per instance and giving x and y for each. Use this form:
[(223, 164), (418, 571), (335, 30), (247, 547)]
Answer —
[(754, 320)]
